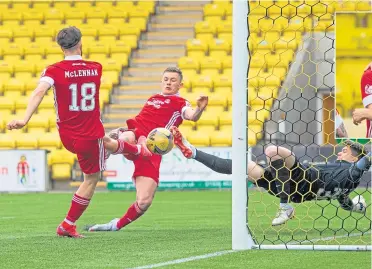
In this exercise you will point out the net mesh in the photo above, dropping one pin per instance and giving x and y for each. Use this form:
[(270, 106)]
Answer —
[(291, 101)]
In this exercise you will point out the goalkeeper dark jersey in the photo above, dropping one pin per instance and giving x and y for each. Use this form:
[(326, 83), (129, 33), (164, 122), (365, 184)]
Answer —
[(317, 181)]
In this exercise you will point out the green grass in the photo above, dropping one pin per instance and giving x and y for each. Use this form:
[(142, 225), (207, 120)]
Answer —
[(178, 225)]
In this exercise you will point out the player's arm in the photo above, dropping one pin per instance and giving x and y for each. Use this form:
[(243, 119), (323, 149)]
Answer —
[(361, 114), (35, 100), (194, 114), (340, 126)]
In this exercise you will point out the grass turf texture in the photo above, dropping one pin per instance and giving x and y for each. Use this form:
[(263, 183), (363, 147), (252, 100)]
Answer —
[(178, 225)]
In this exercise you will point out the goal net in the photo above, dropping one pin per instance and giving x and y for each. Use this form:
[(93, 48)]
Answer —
[(284, 90)]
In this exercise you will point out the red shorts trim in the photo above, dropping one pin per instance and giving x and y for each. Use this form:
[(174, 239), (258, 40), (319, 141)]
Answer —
[(90, 153)]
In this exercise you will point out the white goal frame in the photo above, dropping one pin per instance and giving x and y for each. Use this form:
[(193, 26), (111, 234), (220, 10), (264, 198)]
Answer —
[(241, 237)]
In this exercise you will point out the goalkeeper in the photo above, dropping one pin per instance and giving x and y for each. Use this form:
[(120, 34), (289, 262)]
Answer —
[(293, 181)]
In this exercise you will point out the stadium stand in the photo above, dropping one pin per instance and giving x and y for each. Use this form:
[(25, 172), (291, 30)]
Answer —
[(111, 31)]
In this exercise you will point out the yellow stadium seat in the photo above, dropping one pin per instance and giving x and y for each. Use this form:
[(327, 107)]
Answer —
[(221, 138), (40, 5), (148, 5), (227, 62), (75, 13), (38, 121), (139, 22), (53, 14), (31, 84), (205, 129), (24, 66), (108, 30), (25, 141), (105, 4), (139, 12), (205, 37), (61, 156), (205, 27), (125, 5), (34, 49), (4, 41), (45, 31), (23, 76), (222, 81), (224, 27), (78, 22), (13, 49), (112, 76), (112, 65), (98, 47), (61, 171), (214, 9), (95, 22), (23, 31), (199, 139), (21, 103), (220, 45), (120, 47), (227, 72), (117, 12), (202, 81), (49, 141), (32, 14), (32, 24), (213, 19), (6, 33), (208, 118), (188, 63), (196, 54), (22, 40), (210, 63), (12, 14), (130, 29), (53, 24), (196, 45), (219, 54), (6, 67), (83, 5), (6, 104), (121, 57), (14, 84), (186, 128), (130, 40), (189, 73), (108, 39), (11, 59), (4, 76), (215, 100), (209, 72), (7, 142)]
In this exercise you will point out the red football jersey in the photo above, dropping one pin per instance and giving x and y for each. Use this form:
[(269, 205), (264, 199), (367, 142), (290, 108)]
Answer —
[(76, 86), (159, 111), (366, 89)]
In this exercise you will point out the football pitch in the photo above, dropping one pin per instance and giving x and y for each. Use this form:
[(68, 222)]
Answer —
[(178, 226)]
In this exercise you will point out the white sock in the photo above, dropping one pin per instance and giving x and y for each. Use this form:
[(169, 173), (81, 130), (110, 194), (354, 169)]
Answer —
[(193, 149), (69, 222)]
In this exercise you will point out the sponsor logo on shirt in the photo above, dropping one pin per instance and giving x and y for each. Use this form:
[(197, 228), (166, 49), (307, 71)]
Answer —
[(368, 89), (157, 103)]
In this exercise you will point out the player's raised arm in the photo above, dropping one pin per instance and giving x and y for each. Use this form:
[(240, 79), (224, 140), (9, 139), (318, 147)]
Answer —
[(340, 126), (194, 114), (34, 102)]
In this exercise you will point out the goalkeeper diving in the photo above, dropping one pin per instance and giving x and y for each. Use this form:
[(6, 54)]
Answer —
[(293, 181)]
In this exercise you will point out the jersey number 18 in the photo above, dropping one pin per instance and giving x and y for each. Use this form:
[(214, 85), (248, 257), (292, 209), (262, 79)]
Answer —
[(85, 97)]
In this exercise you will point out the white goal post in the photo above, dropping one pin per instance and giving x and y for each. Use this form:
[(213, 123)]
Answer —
[(242, 239)]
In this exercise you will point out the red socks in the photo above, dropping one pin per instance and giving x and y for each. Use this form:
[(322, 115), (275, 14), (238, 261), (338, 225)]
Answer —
[(78, 206), (133, 213), (125, 147)]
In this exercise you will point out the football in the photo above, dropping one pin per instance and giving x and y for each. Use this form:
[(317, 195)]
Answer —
[(160, 141)]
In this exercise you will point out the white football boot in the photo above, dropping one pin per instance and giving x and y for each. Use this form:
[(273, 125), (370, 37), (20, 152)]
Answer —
[(359, 204), (111, 226), (283, 215)]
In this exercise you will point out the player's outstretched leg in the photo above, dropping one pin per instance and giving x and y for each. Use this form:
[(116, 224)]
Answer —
[(146, 188), (185, 147)]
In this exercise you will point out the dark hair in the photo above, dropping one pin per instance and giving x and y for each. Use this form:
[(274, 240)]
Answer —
[(172, 69), (69, 37), (357, 149)]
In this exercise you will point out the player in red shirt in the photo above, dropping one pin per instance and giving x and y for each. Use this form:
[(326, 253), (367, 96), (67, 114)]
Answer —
[(76, 85), (365, 113), (165, 110)]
